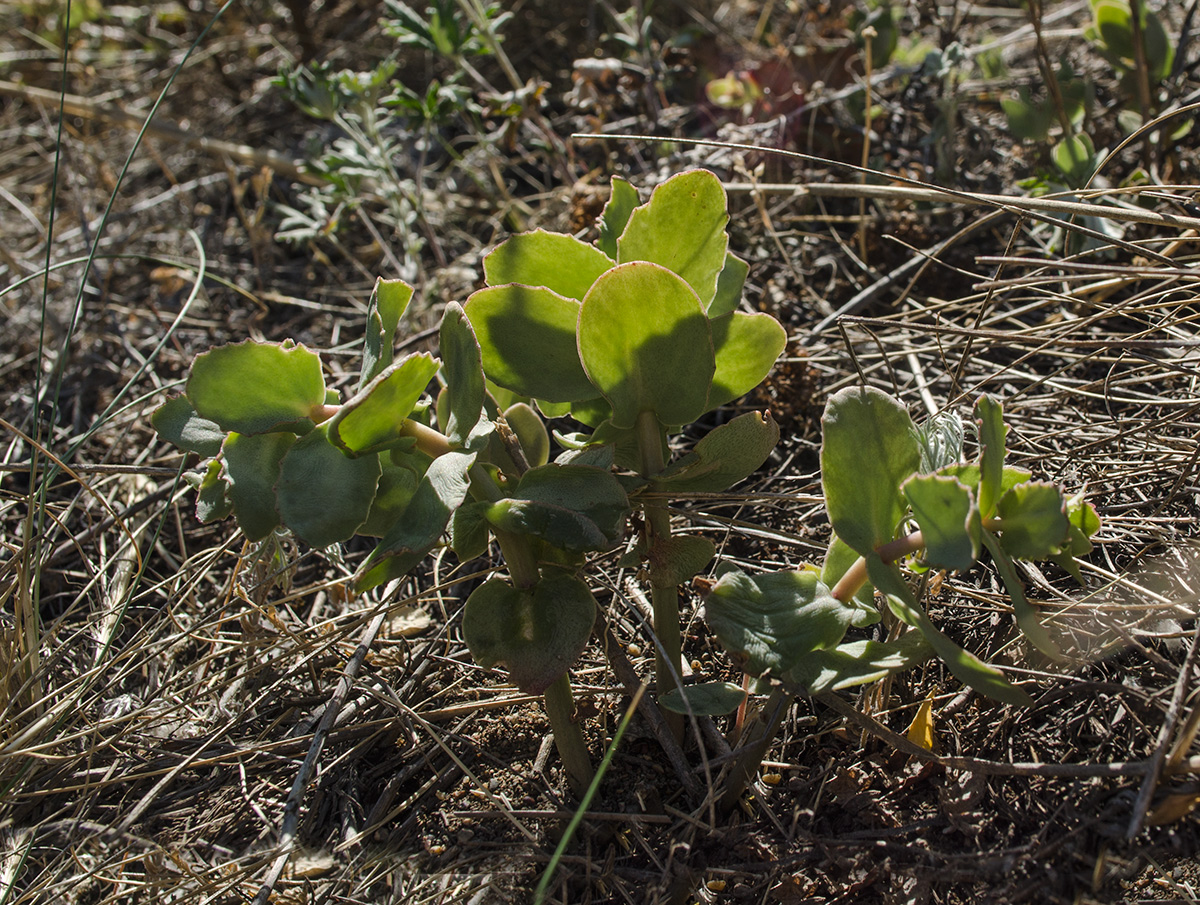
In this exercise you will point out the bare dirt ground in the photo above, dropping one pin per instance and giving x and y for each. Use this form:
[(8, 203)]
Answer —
[(155, 717)]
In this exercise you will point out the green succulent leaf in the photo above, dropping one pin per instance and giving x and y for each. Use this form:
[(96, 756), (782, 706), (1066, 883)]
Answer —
[(615, 217), (747, 347), (252, 464), (1084, 523), (730, 283), (559, 262), (680, 558), (176, 421), (396, 488), (531, 433), (949, 520), (1075, 157), (724, 456), (856, 663), (469, 531), (440, 492), (989, 420), (966, 667), (839, 557), (1028, 619), (682, 228), (869, 447), (527, 338), (255, 388), (768, 623), (706, 699), (371, 421), (645, 344), (574, 507), (212, 494), (324, 495), (1033, 520), (536, 633), (467, 423), (389, 300)]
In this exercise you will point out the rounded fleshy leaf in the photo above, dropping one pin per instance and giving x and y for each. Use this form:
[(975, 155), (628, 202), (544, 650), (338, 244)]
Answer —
[(615, 216), (868, 448), (395, 491), (212, 494), (989, 423), (769, 622), (681, 227), (467, 423), (557, 261), (175, 420), (324, 495), (707, 699), (680, 558), (531, 433), (747, 347), (388, 303), (440, 492), (730, 283), (372, 419), (857, 663), (724, 456), (645, 344), (1033, 520), (949, 520), (537, 634), (254, 388), (252, 464), (573, 507), (527, 338)]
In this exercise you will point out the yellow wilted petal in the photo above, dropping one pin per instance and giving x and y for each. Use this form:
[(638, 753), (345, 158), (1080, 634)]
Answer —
[(920, 731)]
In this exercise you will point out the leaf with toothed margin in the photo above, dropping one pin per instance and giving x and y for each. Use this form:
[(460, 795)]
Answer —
[(212, 494), (255, 388), (615, 217), (440, 492), (372, 420), (949, 520), (389, 300), (252, 463), (557, 261), (725, 456), (526, 336), (176, 421), (537, 633), (682, 228), (324, 495)]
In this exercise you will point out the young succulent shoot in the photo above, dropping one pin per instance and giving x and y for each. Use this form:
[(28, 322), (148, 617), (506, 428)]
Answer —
[(634, 336), (896, 494)]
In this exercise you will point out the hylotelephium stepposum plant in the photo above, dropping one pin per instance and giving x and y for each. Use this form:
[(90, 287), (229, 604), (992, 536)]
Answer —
[(635, 337), (895, 494)]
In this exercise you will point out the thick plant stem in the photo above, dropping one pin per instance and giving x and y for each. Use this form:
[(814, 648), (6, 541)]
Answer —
[(664, 598), (559, 703), (759, 736), (568, 737)]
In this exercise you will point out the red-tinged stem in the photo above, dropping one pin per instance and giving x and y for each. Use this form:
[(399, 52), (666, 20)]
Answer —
[(856, 576)]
